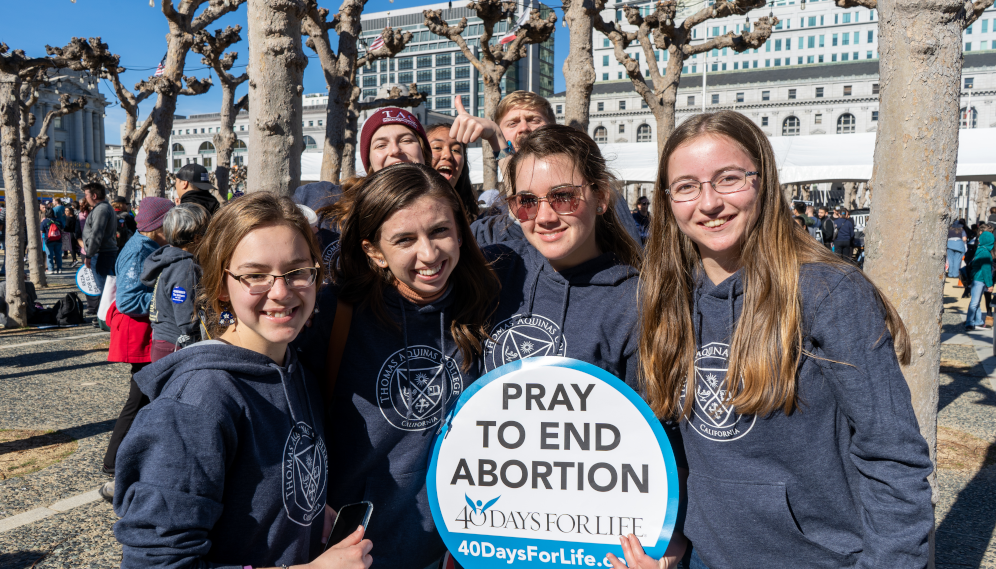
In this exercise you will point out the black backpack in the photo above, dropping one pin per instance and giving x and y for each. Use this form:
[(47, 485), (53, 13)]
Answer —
[(69, 310)]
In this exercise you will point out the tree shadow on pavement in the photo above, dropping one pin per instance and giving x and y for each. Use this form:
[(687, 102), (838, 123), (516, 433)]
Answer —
[(62, 369), (42, 358), (963, 537), (20, 559), (964, 379), (74, 433)]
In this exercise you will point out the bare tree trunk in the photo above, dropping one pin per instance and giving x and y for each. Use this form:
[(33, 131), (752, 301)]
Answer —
[(276, 71), (492, 96), (348, 168), (579, 65), (10, 156), (920, 82), (849, 192), (32, 219), (157, 139), (128, 161)]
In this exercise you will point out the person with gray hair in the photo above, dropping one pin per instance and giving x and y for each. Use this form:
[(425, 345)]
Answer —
[(173, 272)]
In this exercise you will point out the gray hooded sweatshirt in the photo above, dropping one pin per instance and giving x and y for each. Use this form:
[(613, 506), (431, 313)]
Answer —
[(173, 273), (840, 482)]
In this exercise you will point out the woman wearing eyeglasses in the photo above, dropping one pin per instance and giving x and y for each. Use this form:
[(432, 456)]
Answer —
[(405, 317), (227, 466), (781, 363)]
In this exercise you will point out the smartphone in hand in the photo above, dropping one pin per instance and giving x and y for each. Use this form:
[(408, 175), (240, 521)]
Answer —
[(350, 516)]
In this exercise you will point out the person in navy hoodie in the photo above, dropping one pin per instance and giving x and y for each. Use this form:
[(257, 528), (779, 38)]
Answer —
[(420, 292), (227, 465), (782, 363)]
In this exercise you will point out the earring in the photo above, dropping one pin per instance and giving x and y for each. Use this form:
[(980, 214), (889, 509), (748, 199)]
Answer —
[(600, 209), (226, 318)]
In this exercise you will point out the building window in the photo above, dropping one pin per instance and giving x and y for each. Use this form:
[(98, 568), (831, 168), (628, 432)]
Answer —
[(311, 123), (601, 106), (462, 87), (177, 164), (643, 133), (178, 148), (309, 143), (206, 148), (560, 109), (620, 74), (443, 59), (764, 121), (242, 127), (833, 40), (847, 90), (715, 99), (404, 63), (740, 97), (57, 123), (818, 118), (791, 93), (622, 105), (424, 61), (845, 124), (601, 135), (969, 118), (605, 76), (443, 74), (969, 82), (622, 129), (443, 102), (405, 77), (462, 72), (790, 126), (871, 36), (605, 61), (874, 88), (765, 95), (643, 104), (207, 162), (443, 88), (691, 100), (874, 116), (423, 77)]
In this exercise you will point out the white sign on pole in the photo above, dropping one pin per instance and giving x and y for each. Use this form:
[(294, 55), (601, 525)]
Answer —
[(547, 461)]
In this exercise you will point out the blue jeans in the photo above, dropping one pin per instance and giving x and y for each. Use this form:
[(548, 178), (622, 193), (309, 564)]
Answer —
[(102, 265), (954, 262), (54, 250), (696, 562), (975, 316)]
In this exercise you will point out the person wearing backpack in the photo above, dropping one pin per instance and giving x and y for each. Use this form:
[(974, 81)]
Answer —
[(52, 231), (827, 227)]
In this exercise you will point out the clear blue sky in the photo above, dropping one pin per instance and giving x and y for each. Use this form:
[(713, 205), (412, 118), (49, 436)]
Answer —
[(137, 33)]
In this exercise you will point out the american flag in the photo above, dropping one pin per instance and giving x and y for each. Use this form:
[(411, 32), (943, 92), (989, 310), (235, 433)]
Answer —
[(377, 43), (161, 68)]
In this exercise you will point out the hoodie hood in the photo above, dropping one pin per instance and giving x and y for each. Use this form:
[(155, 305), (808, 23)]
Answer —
[(159, 260), (719, 302), (985, 244)]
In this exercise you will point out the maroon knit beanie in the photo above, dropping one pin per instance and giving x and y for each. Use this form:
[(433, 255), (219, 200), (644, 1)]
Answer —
[(383, 117), (151, 213)]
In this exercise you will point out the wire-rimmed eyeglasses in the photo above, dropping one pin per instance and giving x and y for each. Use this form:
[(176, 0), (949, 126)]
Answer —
[(260, 283), (726, 182)]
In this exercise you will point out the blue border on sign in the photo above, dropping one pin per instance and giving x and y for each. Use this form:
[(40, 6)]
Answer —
[(85, 293), (452, 540)]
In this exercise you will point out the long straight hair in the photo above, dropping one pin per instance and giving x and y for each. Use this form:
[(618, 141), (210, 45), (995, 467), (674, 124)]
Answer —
[(767, 344), (360, 214), (584, 155)]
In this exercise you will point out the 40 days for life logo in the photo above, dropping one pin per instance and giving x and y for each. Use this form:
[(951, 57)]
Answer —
[(713, 417), (414, 386), (522, 337), (548, 461)]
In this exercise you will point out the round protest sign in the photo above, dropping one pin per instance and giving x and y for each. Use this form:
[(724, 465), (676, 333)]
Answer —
[(547, 461), (86, 282)]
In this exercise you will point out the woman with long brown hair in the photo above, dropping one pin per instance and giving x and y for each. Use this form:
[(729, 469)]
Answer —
[(418, 293), (781, 363)]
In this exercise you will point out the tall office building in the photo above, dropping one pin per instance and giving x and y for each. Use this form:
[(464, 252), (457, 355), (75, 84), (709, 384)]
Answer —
[(439, 67)]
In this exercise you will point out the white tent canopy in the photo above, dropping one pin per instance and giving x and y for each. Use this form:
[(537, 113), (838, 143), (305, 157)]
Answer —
[(800, 159)]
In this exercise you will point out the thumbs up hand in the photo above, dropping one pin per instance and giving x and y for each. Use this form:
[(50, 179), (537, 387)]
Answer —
[(467, 128)]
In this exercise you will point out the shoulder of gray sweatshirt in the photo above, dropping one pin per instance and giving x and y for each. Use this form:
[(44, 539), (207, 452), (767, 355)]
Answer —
[(395, 383), (226, 466), (173, 274), (842, 481), (99, 230)]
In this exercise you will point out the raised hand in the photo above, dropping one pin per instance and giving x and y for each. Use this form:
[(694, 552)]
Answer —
[(467, 128)]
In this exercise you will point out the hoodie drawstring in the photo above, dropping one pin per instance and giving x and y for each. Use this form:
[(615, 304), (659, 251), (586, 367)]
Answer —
[(290, 406), (408, 365), (563, 316), (532, 294)]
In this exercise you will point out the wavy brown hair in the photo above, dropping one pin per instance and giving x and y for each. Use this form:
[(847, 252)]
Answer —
[(767, 344), (228, 227), (362, 211), (584, 155)]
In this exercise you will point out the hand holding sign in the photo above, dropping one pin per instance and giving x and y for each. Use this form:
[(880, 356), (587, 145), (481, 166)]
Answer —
[(467, 128), (549, 461)]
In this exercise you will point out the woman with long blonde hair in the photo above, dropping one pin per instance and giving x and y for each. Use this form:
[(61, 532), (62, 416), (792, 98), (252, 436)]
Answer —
[(781, 363)]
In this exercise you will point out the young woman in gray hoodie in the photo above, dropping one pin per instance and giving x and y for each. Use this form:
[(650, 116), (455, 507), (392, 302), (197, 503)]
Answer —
[(782, 363)]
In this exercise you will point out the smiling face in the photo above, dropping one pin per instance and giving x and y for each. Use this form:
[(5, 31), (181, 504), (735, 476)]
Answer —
[(716, 222), (447, 155), (566, 240), (267, 322), (419, 244), (392, 144), (520, 122)]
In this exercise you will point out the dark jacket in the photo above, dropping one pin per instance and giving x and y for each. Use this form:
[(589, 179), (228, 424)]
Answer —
[(201, 197), (100, 229), (226, 466), (845, 230), (842, 481), (173, 274), (395, 383)]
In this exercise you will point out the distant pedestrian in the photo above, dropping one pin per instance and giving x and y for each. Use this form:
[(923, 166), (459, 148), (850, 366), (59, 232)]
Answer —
[(52, 234), (992, 216), (957, 245), (827, 228), (100, 245), (642, 217), (173, 273), (843, 243), (193, 185), (980, 274)]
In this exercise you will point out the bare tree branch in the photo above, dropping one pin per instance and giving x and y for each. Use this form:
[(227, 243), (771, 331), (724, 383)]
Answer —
[(870, 4), (973, 10), (395, 99)]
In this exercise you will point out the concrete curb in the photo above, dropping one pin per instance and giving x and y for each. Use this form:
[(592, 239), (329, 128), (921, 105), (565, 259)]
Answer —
[(62, 506)]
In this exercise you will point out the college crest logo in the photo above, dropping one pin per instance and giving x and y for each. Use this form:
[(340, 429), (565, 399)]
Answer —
[(712, 415), (415, 385), (522, 337), (305, 473), (330, 250)]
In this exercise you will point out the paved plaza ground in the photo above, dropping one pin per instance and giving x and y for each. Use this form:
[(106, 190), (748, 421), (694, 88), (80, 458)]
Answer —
[(60, 380)]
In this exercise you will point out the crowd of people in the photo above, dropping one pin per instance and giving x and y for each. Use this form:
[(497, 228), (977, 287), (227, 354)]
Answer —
[(970, 260), (259, 333)]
